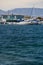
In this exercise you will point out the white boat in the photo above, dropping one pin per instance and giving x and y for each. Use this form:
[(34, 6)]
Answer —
[(2, 20), (29, 21), (34, 21)]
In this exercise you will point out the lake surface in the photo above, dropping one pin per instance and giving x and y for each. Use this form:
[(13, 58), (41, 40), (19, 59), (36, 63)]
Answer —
[(21, 44)]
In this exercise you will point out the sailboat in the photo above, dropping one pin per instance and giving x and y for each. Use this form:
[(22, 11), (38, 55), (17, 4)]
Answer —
[(32, 20)]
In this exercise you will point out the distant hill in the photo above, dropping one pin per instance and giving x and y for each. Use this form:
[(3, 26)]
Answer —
[(2, 12), (25, 11)]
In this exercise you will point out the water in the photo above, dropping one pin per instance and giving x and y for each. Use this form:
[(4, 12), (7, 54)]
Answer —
[(21, 44)]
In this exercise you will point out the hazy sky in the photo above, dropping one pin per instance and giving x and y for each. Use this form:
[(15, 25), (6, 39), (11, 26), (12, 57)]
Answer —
[(11, 4)]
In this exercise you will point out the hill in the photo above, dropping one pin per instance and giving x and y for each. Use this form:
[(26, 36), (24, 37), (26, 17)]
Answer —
[(25, 11)]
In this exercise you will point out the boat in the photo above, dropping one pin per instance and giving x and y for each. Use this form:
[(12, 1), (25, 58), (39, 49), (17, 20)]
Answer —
[(32, 20), (12, 19), (2, 20)]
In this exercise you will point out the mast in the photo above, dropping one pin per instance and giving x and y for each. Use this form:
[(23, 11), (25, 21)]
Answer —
[(32, 11), (8, 14)]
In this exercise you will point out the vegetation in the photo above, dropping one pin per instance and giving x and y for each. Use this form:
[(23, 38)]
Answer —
[(40, 18), (27, 17)]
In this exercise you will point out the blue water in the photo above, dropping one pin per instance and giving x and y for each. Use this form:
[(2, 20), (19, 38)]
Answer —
[(21, 44)]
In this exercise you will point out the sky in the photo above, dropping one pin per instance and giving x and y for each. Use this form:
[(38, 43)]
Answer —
[(11, 4)]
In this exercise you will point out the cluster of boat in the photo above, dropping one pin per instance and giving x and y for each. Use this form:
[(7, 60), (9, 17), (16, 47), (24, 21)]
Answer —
[(18, 22)]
